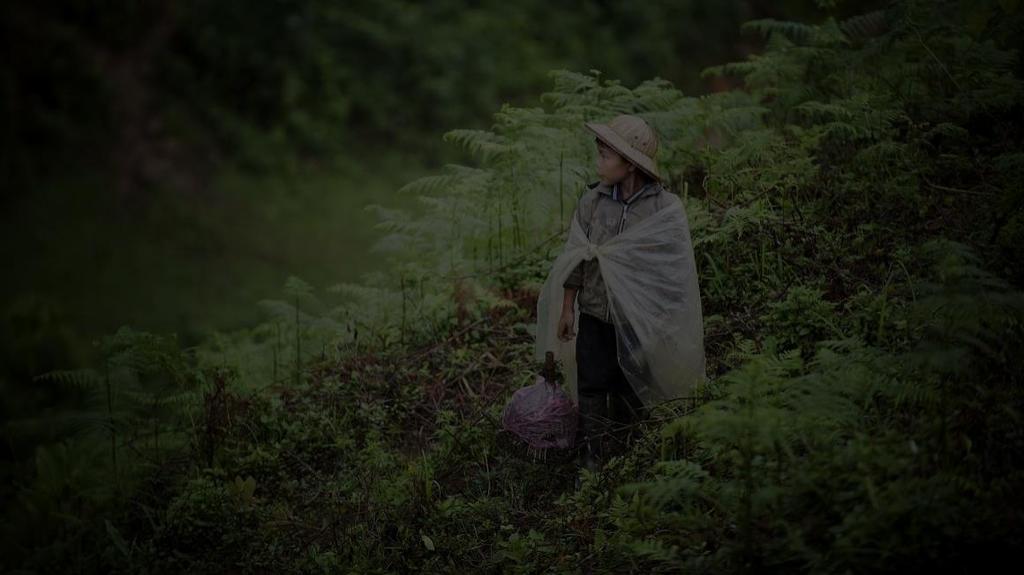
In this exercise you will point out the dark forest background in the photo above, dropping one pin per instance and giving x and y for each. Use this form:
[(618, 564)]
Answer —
[(179, 158)]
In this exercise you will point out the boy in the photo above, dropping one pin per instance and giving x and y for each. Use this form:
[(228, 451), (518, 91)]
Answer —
[(629, 189)]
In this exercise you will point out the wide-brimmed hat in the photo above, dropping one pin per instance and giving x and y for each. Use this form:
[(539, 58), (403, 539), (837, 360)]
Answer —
[(631, 137)]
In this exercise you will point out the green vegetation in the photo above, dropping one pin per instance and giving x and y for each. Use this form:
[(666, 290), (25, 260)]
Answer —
[(857, 212), (169, 164)]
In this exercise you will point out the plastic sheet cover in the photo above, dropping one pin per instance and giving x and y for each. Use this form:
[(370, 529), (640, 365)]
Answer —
[(650, 276)]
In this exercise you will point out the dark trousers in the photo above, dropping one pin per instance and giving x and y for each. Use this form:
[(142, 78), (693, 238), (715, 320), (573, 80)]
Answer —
[(606, 399)]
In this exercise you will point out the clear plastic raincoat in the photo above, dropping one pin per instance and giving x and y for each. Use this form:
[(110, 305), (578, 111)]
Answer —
[(651, 278)]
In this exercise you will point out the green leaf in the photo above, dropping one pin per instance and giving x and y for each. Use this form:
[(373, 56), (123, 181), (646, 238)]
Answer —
[(116, 537)]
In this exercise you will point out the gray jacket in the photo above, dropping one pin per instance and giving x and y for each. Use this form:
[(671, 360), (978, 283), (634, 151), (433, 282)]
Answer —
[(603, 214)]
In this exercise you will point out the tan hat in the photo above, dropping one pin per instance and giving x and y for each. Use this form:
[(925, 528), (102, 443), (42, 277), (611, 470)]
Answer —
[(632, 137)]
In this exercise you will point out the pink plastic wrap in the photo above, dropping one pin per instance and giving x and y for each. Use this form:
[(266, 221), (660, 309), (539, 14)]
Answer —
[(542, 415)]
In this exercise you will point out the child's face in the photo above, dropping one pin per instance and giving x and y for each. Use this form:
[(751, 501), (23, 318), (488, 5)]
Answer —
[(611, 167)]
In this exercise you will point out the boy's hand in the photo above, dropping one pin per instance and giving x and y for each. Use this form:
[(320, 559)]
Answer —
[(565, 325)]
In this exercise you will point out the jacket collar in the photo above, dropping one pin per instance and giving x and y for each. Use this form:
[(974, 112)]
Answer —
[(613, 191)]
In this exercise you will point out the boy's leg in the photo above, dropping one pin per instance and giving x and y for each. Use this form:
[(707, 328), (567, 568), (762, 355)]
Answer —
[(594, 376), (626, 406), (626, 410)]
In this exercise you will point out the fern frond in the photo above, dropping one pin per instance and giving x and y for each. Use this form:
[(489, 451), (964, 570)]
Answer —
[(84, 378), (795, 31), (865, 26), (486, 144)]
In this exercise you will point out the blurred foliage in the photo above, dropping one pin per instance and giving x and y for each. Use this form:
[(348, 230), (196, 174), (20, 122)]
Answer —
[(155, 88)]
